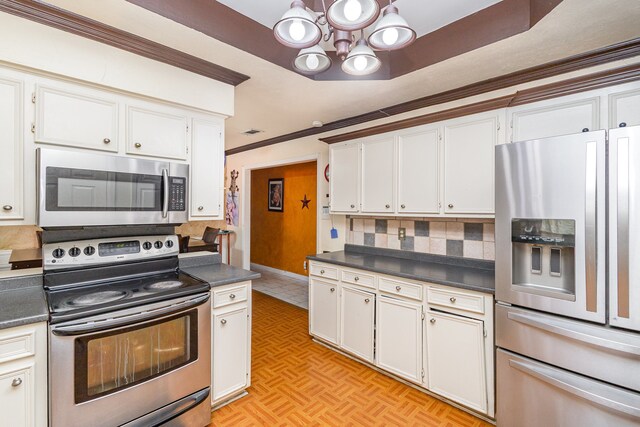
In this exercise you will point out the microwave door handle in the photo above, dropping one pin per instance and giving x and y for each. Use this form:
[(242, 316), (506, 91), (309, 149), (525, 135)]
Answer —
[(165, 192), (91, 327)]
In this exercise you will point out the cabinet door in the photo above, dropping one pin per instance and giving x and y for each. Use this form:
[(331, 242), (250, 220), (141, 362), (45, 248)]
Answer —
[(11, 124), (624, 108), (156, 133), (76, 119), (17, 396), (378, 174), (230, 351), (399, 338), (469, 165), (356, 325), (206, 169), (323, 310), (555, 118), (455, 359), (344, 161), (418, 173)]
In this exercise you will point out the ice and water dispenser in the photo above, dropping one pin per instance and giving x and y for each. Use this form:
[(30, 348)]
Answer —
[(544, 256)]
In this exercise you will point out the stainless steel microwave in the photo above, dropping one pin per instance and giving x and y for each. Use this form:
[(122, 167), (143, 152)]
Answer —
[(82, 189)]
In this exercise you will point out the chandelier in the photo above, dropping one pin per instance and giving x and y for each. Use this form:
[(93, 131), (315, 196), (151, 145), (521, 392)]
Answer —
[(300, 28)]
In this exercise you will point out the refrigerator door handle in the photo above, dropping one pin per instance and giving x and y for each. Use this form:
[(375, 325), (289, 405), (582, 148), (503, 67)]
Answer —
[(591, 291), (568, 383), (621, 285), (556, 327)]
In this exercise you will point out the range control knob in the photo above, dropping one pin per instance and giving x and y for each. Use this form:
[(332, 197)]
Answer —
[(158, 244), (146, 246), (58, 253), (74, 251), (169, 243), (89, 250)]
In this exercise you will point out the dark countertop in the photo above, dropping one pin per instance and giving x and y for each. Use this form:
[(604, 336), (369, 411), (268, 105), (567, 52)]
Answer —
[(22, 301), (450, 271), (220, 274)]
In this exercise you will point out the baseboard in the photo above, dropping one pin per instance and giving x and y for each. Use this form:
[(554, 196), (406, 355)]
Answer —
[(259, 267)]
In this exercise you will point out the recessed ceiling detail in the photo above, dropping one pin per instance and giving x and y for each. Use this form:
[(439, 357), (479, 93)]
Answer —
[(445, 28)]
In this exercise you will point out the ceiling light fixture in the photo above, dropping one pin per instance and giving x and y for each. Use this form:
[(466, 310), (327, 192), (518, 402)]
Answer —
[(301, 28)]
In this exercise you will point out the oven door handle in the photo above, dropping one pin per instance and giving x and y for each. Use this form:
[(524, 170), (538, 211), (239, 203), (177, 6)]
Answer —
[(90, 327), (165, 192)]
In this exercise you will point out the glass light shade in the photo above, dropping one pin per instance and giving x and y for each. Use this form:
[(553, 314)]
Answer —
[(341, 14), (392, 31), (361, 60), (312, 60), (297, 28)]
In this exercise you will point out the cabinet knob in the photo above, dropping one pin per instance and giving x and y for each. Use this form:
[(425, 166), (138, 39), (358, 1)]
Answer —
[(7, 208), (367, 300), (200, 208), (353, 206), (398, 288), (450, 205), (232, 296), (452, 299), (16, 382), (402, 206), (356, 278), (387, 206), (106, 140), (622, 125), (223, 321), (432, 320), (333, 289), (585, 129), (137, 145), (321, 271)]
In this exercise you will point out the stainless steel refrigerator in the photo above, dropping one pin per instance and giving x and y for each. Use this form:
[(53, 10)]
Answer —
[(568, 280)]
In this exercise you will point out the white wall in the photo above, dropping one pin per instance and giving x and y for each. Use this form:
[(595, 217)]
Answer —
[(39, 47)]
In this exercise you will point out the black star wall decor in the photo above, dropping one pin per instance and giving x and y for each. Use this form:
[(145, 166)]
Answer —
[(305, 202)]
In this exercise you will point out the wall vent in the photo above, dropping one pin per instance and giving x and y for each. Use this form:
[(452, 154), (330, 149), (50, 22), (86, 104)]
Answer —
[(251, 132)]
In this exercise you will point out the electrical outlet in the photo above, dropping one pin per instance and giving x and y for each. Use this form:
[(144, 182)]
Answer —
[(402, 233), (304, 265)]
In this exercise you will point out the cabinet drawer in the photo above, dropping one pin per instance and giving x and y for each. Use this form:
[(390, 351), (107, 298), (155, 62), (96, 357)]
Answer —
[(358, 278), (457, 300), (397, 287), (17, 345), (324, 271), (228, 296)]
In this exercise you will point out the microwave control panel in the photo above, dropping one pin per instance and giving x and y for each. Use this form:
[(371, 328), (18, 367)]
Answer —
[(177, 191)]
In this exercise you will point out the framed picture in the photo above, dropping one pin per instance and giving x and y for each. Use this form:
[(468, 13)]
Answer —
[(276, 195)]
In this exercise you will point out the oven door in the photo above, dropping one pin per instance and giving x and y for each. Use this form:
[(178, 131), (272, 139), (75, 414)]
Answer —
[(114, 368), (80, 189)]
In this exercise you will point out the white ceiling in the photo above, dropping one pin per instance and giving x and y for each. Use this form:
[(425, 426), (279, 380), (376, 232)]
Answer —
[(280, 101)]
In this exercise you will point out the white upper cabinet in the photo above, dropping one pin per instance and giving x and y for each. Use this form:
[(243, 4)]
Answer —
[(345, 177), (469, 163), (378, 175), (554, 118), (624, 108), (418, 172), (11, 147), (77, 117), (206, 169), (156, 132)]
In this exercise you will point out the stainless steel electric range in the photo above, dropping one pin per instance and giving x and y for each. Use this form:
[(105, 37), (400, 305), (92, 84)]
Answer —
[(129, 337)]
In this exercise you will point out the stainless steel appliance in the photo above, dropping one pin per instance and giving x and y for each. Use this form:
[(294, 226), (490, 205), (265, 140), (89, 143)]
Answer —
[(568, 341), (81, 189), (129, 337)]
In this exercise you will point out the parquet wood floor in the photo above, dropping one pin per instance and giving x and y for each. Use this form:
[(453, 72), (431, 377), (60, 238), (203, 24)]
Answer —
[(296, 382)]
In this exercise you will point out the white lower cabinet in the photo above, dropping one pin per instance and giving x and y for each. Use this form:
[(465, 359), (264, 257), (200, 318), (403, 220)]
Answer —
[(230, 341), (399, 338), (455, 356), (323, 309), (16, 391), (357, 314)]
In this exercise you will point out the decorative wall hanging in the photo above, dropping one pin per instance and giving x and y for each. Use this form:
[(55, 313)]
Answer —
[(276, 195), (305, 202), (232, 206)]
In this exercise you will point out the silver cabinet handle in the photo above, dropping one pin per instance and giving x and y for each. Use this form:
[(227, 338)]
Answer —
[(367, 300), (232, 296), (356, 278), (223, 321), (200, 208), (106, 140), (398, 288), (450, 205), (7, 207), (16, 382), (452, 299), (321, 271), (353, 206), (333, 289), (387, 206), (137, 145), (432, 320), (402, 206)]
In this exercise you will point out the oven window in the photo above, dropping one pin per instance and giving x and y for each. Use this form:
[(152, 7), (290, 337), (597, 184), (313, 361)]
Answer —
[(111, 361), (88, 190)]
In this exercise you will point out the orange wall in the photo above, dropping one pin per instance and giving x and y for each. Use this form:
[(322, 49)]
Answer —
[(282, 240)]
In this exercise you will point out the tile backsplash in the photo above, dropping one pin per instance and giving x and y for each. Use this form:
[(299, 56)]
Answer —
[(462, 237)]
